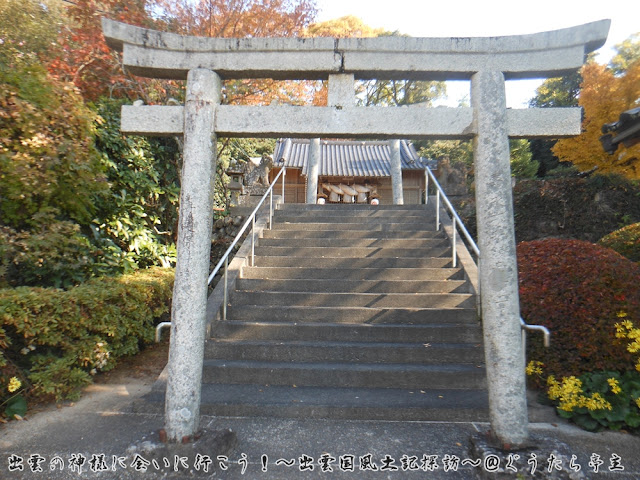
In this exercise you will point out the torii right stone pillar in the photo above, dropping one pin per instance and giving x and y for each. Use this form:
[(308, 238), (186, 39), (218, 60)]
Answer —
[(498, 262)]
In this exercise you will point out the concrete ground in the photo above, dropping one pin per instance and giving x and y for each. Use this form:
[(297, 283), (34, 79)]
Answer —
[(102, 429)]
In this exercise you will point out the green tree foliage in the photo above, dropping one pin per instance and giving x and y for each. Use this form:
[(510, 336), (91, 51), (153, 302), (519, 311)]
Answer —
[(51, 253), (47, 158), (461, 152), (344, 27), (458, 151), (625, 241), (136, 222), (399, 93), (628, 52), (28, 30), (554, 92), (239, 151), (522, 164)]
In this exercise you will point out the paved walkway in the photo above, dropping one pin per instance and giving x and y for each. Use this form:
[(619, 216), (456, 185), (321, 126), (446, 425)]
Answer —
[(103, 429)]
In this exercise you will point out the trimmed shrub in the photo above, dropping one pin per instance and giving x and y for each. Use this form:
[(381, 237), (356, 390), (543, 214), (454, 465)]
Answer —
[(59, 338), (55, 254), (625, 241), (578, 290)]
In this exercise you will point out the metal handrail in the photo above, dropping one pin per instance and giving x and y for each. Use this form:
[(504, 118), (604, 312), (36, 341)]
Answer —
[(524, 327), (225, 257), (458, 222), (250, 220)]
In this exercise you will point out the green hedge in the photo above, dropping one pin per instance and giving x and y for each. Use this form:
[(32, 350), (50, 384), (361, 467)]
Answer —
[(625, 241), (56, 339)]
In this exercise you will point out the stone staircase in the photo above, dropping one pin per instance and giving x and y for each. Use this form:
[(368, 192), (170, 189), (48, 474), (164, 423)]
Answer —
[(350, 312)]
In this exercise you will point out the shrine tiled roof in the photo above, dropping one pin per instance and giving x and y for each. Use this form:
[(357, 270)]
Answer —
[(347, 158)]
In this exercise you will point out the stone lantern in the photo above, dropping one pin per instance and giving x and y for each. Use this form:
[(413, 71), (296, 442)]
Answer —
[(236, 185)]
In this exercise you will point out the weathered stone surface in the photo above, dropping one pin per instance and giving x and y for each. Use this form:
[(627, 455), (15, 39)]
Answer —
[(356, 122), (342, 91), (543, 122), (156, 120), (164, 55), (498, 263), (188, 315), (205, 444), (312, 176), (527, 463), (395, 165)]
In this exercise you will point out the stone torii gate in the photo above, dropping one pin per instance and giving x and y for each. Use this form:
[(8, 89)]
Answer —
[(487, 62)]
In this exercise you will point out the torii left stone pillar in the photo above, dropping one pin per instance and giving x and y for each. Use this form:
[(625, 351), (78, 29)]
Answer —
[(188, 319)]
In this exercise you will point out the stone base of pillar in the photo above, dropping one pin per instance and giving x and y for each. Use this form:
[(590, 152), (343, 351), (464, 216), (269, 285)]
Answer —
[(207, 443), (509, 463)]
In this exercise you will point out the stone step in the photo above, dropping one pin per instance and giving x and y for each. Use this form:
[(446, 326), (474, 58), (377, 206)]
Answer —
[(372, 268), (352, 252), (325, 224), (423, 221), (346, 403), (329, 232), (338, 285), (338, 352), (367, 375), (393, 244), (369, 300), (353, 209), (351, 315), (281, 330)]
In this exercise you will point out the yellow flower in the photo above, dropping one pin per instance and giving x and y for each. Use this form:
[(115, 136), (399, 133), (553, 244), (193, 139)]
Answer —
[(595, 402), (534, 367), (615, 386), (568, 393), (638, 402), (14, 384), (621, 314)]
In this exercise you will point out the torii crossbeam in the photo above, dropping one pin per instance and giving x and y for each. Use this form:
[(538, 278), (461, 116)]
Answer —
[(487, 62)]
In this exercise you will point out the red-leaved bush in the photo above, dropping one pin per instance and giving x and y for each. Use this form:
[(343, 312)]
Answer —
[(577, 290)]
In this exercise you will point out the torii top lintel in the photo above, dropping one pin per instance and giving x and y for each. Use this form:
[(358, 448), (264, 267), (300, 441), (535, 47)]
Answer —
[(155, 54)]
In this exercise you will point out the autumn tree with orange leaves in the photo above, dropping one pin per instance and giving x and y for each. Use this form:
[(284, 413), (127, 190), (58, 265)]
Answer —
[(242, 19), (83, 58), (603, 97)]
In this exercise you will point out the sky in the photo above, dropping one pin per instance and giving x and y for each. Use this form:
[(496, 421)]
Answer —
[(482, 18)]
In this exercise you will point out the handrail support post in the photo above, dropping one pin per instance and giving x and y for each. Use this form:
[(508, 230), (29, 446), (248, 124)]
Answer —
[(226, 288), (454, 253), (438, 210), (253, 241)]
